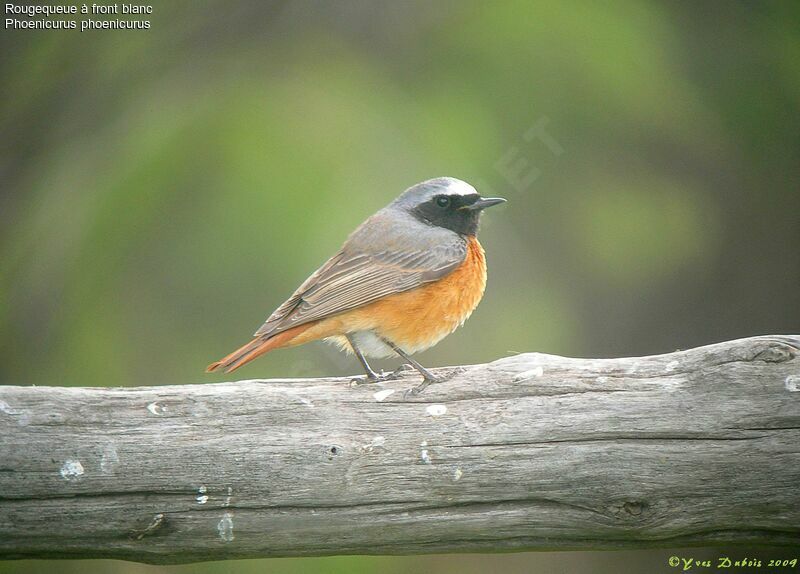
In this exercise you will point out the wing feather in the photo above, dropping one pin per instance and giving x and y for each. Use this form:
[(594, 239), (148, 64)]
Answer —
[(353, 278)]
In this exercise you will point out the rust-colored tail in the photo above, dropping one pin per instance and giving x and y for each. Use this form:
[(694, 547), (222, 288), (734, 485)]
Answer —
[(255, 348)]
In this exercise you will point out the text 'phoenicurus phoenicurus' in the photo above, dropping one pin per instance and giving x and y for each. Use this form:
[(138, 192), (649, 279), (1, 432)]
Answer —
[(404, 279)]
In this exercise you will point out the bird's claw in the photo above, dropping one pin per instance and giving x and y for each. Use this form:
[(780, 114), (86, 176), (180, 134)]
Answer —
[(414, 391), (373, 378), (394, 375), (402, 369)]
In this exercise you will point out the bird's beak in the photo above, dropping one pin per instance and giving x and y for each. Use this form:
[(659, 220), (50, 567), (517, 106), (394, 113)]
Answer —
[(483, 203)]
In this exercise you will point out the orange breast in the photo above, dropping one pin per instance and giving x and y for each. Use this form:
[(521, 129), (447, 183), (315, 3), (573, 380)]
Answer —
[(417, 319)]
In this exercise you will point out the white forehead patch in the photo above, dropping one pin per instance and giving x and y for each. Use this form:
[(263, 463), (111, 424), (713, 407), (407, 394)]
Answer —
[(458, 187)]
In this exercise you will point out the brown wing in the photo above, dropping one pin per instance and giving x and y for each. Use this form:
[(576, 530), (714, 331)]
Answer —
[(352, 278)]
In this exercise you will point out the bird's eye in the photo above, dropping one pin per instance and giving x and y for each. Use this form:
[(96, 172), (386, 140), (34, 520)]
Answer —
[(442, 201)]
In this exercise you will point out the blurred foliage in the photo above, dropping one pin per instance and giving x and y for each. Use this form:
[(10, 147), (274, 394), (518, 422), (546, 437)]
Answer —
[(164, 190)]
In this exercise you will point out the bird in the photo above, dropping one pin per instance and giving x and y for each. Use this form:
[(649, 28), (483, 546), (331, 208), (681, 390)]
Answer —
[(406, 278)]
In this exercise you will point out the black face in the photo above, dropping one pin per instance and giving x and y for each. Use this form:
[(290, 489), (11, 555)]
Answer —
[(451, 212)]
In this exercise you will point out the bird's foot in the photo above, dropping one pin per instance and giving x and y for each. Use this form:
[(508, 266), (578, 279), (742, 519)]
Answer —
[(402, 369), (414, 391), (373, 377)]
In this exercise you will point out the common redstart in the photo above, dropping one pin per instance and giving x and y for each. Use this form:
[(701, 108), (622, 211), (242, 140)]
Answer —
[(404, 279)]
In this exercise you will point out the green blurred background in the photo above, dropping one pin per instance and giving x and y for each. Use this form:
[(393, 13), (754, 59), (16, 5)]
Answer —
[(164, 190)]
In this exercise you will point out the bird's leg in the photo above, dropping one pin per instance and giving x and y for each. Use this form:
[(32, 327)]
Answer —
[(372, 376), (428, 377)]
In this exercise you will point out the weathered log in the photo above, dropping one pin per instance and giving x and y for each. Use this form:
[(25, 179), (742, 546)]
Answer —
[(528, 452)]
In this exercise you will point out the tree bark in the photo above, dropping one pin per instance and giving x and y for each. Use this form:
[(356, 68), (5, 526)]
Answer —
[(531, 452)]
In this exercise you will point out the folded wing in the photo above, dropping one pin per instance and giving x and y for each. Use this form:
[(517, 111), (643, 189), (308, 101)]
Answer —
[(357, 275)]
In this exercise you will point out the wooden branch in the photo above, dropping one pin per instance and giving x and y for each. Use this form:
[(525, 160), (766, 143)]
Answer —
[(528, 452)]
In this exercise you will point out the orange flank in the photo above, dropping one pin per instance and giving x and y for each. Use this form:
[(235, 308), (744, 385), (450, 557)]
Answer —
[(414, 320)]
